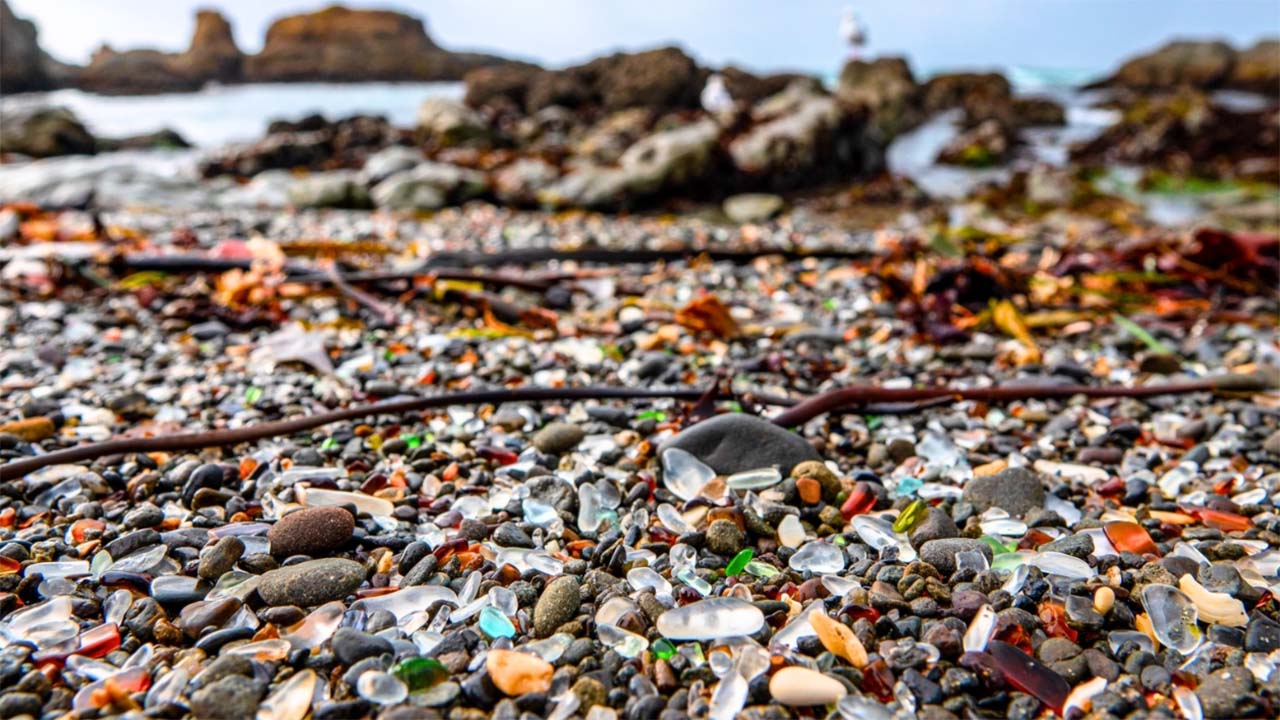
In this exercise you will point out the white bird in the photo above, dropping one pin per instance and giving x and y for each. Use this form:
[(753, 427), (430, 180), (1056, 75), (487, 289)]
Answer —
[(716, 99), (852, 32)]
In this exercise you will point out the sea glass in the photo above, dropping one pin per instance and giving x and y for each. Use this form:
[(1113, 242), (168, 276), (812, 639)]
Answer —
[(1130, 537), (1173, 617), (818, 557), (712, 618), (683, 474), (1026, 674)]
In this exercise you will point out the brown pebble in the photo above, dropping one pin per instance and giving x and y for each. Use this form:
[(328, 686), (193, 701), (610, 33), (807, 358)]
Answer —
[(810, 490), (311, 531), (664, 677), (167, 633)]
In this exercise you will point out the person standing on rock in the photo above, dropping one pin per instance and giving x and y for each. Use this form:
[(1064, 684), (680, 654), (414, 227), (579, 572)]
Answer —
[(853, 33)]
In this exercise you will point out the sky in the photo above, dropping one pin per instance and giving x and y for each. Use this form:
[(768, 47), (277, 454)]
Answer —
[(757, 34)]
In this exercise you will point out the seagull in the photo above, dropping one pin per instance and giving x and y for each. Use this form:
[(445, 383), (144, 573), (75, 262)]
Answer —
[(716, 99), (852, 32)]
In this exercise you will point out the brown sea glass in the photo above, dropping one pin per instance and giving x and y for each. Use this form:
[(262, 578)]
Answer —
[(1026, 674), (1130, 537)]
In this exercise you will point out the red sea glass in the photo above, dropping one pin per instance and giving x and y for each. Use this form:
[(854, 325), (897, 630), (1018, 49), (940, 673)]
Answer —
[(1023, 673), (1130, 537), (878, 680), (860, 501)]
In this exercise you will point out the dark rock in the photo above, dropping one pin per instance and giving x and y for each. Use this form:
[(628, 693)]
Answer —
[(942, 553), (735, 442), (886, 89), (231, 698), (1074, 545), (310, 583), (45, 132), (1225, 693), (352, 646), (1015, 490), (937, 525)]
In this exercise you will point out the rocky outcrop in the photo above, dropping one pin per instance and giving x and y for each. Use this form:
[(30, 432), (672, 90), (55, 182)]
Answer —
[(212, 55), (987, 143), (1187, 134), (1203, 65), (338, 44), (23, 65), (312, 143), (1257, 69), (662, 79), (135, 72), (44, 132), (981, 95), (885, 90), (1189, 63), (802, 137)]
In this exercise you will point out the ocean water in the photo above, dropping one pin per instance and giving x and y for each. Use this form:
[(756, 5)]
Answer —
[(218, 115)]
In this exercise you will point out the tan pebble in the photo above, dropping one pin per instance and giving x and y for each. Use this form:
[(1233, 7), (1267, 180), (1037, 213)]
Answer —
[(802, 687), (1103, 598), (839, 639), (30, 429), (517, 673)]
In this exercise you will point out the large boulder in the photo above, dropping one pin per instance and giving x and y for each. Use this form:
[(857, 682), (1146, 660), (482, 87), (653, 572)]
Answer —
[(801, 137), (445, 122), (886, 90), (1257, 69), (501, 87), (749, 89), (23, 65), (662, 79), (1186, 133), (982, 96), (312, 143), (212, 54), (338, 44), (44, 132), (666, 160), (1181, 63), (428, 186)]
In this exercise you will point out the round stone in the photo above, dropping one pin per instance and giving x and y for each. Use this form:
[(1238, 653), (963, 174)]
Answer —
[(737, 442), (1016, 490), (558, 605), (942, 553), (558, 437), (311, 531), (311, 583)]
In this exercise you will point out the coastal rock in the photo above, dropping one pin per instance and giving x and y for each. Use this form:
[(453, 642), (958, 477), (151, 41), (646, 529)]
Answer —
[(1257, 68), (660, 79), (338, 44), (665, 160), (987, 144), (212, 54), (23, 65), (736, 442), (980, 95), (312, 143), (446, 122), (165, 138), (520, 182), (1191, 63), (886, 89), (1187, 133), (45, 132), (134, 72), (802, 136), (339, 188), (427, 187), (385, 163), (1036, 111)]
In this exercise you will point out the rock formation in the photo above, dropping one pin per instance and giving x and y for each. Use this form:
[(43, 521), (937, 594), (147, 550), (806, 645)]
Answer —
[(1203, 65), (342, 45), (212, 54), (23, 65)]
